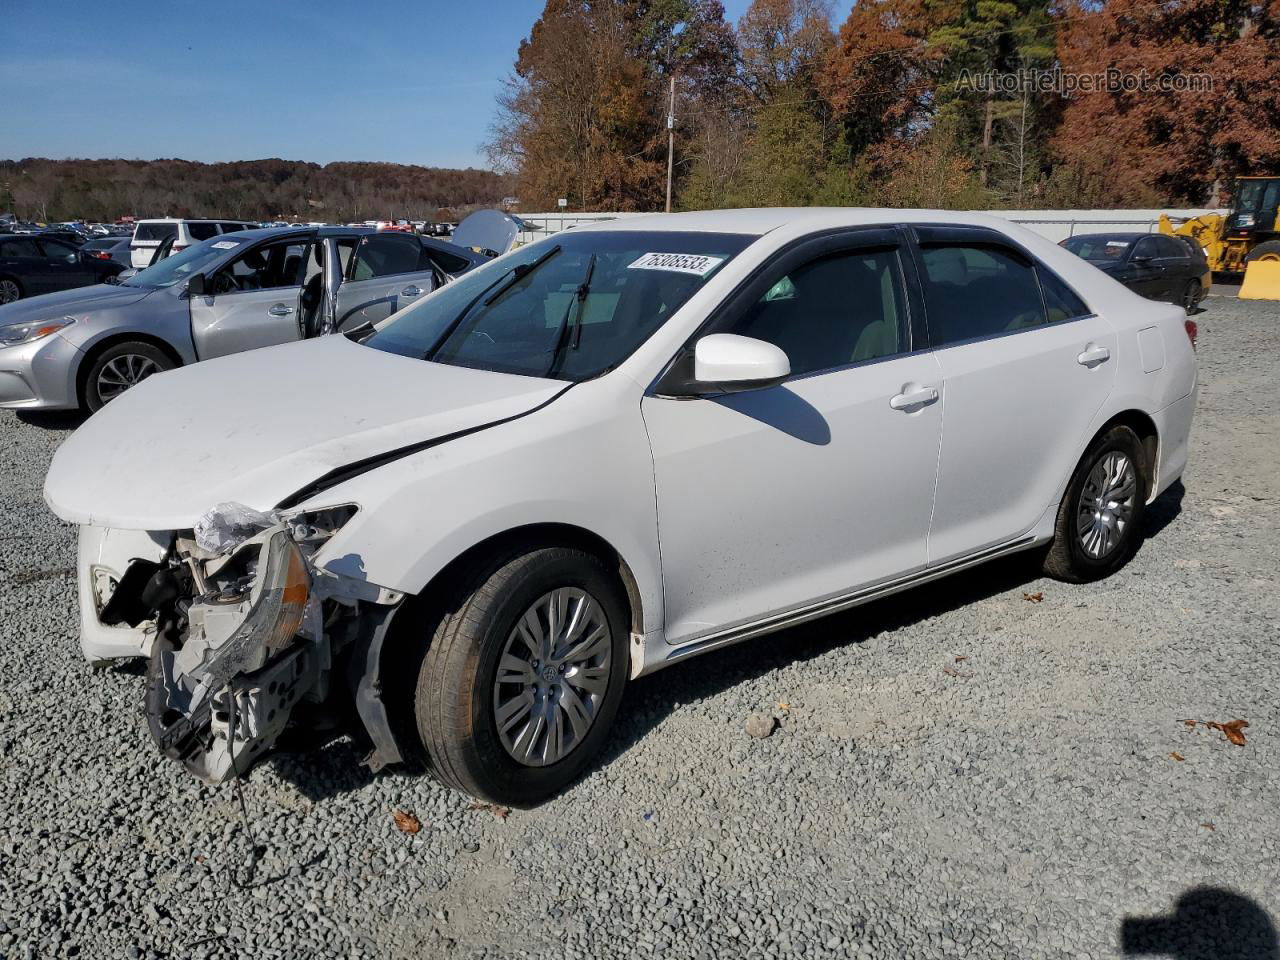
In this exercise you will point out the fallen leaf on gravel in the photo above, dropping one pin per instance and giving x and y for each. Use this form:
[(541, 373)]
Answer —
[(407, 822), (951, 671), (961, 659), (1234, 731), (1208, 826), (783, 706), (497, 810), (1033, 597), (1177, 756)]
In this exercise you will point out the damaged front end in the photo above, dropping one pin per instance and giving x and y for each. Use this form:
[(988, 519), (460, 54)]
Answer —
[(248, 631)]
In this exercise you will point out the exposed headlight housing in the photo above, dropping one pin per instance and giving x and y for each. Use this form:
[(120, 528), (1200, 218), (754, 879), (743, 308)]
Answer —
[(13, 334)]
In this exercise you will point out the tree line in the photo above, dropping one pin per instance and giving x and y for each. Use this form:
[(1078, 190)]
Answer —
[(104, 190), (894, 106)]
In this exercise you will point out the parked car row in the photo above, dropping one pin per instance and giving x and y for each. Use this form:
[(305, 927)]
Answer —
[(34, 264), (468, 523)]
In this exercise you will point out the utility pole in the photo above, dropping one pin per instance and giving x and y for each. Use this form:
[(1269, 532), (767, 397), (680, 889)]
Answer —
[(671, 136)]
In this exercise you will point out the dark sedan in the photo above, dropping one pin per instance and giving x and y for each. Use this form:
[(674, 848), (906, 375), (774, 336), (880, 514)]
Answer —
[(1153, 265), (32, 264)]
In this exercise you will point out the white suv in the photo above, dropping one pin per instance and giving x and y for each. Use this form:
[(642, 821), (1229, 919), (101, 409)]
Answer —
[(148, 235), (603, 454)]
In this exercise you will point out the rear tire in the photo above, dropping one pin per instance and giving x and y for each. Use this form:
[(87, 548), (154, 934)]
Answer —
[(121, 367), (10, 290), (1191, 296), (486, 696), (1099, 525)]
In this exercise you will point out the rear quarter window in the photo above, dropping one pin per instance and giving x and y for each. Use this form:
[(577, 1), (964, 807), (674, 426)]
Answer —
[(155, 231)]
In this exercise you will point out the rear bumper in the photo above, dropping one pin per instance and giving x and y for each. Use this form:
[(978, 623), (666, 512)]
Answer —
[(102, 557), (1173, 427), (39, 375)]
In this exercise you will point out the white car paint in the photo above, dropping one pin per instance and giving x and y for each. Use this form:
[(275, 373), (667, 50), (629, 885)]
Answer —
[(727, 525)]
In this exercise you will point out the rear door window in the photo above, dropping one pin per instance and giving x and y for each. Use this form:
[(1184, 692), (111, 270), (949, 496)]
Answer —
[(155, 231), (57, 249), (1170, 249), (387, 254), (974, 291), (1060, 301), (202, 231)]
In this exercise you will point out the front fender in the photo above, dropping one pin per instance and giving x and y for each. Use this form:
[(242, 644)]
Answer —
[(161, 317), (582, 462)]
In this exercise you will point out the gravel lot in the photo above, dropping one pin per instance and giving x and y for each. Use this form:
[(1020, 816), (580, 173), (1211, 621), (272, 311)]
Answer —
[(958, 771)]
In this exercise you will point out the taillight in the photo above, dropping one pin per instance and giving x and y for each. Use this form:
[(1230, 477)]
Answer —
[(1192, 332), (177, 248), (99, 255)]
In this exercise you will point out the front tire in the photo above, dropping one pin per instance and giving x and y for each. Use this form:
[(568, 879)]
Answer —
[(121, 367), (1099, 525), (523, 679)]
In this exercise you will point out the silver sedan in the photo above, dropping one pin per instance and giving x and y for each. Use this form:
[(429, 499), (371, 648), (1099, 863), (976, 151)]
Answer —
[(233, 292)]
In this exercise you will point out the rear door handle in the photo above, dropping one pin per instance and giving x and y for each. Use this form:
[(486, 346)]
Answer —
[(411, 291), (1093, 355), (918, 397), (280, 310)]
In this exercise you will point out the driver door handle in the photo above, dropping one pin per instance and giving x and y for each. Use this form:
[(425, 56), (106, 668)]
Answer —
[(915, 398), (280, 310), (1093, 354), (411, 291)]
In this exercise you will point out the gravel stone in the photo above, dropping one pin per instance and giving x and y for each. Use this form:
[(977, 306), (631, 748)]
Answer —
[(1030, 809), (760, 725)]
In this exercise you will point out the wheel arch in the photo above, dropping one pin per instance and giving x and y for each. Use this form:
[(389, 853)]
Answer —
[(1144, 426), (99, 347), (532, 536)]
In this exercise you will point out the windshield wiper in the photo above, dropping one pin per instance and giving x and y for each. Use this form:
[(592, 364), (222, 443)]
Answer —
[(579, 297), (504, 283)]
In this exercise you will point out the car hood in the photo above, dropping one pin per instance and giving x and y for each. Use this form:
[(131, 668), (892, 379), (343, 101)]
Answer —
[(75, 302), (259, 426)]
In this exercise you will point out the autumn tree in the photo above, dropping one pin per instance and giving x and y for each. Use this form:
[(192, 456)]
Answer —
[(1179, 143), (583, 116)]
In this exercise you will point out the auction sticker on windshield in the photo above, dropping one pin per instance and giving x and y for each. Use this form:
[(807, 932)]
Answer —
[(226, 245), (695, 263)]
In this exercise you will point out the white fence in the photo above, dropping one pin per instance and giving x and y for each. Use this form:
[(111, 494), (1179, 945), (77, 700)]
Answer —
[(1054, 225)]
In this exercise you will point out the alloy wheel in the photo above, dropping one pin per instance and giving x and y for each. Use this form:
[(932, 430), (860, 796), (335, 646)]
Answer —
[(122, 372), (552, 677), (1106, 504), (9, 291)]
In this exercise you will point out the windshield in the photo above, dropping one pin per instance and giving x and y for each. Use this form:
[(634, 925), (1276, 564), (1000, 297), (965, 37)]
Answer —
[(180, 267), (1098, 247), (569, 307)]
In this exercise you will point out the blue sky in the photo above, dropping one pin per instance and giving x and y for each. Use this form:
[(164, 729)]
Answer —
[(407, 81)]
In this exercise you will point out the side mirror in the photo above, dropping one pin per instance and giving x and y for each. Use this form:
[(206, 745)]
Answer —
[(197, 286), (730, 363)]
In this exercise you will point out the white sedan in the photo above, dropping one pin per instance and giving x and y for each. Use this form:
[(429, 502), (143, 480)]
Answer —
[(600, 455)]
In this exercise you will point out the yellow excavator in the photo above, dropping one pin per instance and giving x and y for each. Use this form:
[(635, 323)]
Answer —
[(1244, 242)]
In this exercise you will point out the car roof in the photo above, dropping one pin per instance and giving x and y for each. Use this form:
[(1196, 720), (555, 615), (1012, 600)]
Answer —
[(262, 233), (762, 220)]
